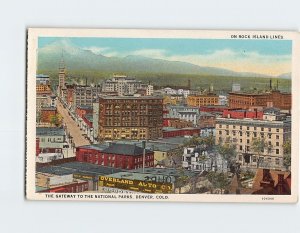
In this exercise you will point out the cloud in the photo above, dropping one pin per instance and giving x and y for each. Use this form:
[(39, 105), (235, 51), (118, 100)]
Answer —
[(97, 50), (153, 53), (239, 61)]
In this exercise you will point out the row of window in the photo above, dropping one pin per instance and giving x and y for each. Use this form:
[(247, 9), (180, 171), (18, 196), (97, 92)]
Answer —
[(254, 134), (248, 128)]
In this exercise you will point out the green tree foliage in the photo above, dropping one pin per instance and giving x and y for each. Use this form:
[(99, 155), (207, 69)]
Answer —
[(287, 149), (228, 152), (204, 142), (258, 146), (218, 180), (56, 120), (181, 180)]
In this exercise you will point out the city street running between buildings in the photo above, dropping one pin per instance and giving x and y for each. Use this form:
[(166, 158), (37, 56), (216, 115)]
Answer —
[(72, 126)]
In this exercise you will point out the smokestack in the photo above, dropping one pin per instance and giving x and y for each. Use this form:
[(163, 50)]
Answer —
[(277, 84), (270, 84), (86, 82)]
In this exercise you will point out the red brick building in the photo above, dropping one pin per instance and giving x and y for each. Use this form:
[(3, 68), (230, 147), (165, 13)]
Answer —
[(207, 119), (75, 187), (177, 123), (213, 108), (241, 114), (83, 110), (173, 132), (70, 93), (47, 113), (273, 98), (124, 156)]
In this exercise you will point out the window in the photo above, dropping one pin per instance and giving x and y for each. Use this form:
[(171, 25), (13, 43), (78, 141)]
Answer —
[(277, 136), (248, 128), (241, 147), (277, 151), (220, 132), (277, 161), (262, 129), (248, 141), (241, 140), (277, 130), (254, 159), (269, 136), (269, 129), (240, 127)]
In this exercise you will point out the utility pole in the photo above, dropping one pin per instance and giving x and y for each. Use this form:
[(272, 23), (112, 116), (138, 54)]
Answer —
[(144, 152)]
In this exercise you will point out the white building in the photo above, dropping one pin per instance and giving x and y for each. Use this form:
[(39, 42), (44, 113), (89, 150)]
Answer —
[(85, 95), (183, 92), (125, 85), (236, 87), (42, 79), (223, 100), (181, 112), (48, 157), (196, 159), (272, 132)]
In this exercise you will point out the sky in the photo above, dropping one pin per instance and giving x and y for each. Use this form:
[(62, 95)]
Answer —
[(270, 57)]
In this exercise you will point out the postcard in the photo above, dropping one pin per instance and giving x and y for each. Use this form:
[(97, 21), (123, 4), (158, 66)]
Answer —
[(162, 115)]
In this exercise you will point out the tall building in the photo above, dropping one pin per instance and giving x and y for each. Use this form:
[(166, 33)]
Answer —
[(61, 76), (130, 117), (85, 95), (43, 92), (202, 100), (125, 85), (248, 135)]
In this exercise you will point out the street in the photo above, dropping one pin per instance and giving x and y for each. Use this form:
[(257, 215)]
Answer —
[(71, 126)]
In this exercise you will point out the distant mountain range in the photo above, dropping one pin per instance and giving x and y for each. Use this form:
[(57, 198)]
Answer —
[(77, 58)]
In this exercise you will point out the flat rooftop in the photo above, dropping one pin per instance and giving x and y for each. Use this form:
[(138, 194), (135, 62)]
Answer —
[(50, 131), (78, 167)]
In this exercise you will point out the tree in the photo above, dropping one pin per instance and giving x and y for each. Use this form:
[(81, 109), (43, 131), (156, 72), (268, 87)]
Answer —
[(258, 146), (287, 149), (204, 142), (209, 142), (218, 180), (56, 120), (228, 152), (181, 180)]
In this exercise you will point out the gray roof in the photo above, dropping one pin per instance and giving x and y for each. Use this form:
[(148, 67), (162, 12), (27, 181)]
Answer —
[(99, 147), (206, 114), (50, 131), (124, 149), (42, 76), (78, 167), (165, 171)]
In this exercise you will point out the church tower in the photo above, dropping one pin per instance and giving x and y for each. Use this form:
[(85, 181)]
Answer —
[(61, 75)]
